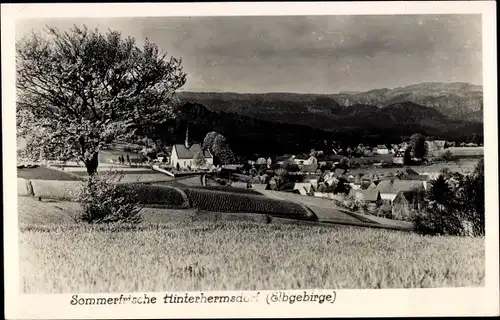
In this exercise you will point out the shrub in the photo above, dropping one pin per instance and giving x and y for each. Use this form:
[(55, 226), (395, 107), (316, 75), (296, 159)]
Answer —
[(355, 201), (385, 210), (456, 205), (103, 201)]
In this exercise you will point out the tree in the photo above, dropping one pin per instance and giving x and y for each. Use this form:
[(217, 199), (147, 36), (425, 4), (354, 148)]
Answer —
[(218, 146), (407, 156), (222, 151), (342, 186), (281, 177), (199, 159), (473, 199), (208, 141), (417, 142), (82, 90)]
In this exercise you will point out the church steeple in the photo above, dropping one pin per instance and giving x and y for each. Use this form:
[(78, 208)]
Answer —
[(186, 142)]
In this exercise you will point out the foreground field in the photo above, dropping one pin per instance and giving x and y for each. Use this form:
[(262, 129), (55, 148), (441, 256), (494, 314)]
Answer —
[(229, 255)]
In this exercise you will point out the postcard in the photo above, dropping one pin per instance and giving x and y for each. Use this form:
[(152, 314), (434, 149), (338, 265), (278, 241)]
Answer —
[(199, 160)]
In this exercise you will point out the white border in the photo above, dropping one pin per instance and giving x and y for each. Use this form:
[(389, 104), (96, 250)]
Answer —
[(394, 302)]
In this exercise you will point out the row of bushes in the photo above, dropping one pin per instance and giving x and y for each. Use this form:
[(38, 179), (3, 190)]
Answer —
[(217, 201), (104, 200)]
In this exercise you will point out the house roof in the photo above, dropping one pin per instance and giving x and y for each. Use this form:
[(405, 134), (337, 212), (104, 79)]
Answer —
[(409, 171), (188, 153), (261, 161), (381, 147), (312, 176), (239, 184), (310, 168), (368, 195), (306, 186), (339, 172), (395, 186), (259, 186), (407, 195), (421, 177)]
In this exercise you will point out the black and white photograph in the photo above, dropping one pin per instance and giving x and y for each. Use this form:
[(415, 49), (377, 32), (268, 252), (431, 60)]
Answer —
[(250, 155)]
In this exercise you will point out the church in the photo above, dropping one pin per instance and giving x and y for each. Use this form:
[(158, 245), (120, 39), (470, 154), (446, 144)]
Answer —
[(183, 155)]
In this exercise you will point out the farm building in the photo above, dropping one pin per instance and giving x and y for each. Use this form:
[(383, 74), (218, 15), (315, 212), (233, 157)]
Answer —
[(261, 161), (370, 196), (398, 157), (184, 155), (309, 168), (389, 189), (313, 180), (238, 184), (259, 186), (307, 187), (312, 160), (381, 149), (407, 172), (405, 203)]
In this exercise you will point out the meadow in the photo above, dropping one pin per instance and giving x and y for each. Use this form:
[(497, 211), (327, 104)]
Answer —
[(236, 255), (170, 249)]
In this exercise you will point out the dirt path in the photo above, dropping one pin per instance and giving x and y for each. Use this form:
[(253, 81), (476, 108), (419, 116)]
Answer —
[(327, 211)]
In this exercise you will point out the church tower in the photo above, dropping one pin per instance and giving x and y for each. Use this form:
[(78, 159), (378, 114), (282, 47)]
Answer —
[(186, 142)]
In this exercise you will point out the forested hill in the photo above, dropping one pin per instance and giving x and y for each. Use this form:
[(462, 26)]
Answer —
[(249, 135)]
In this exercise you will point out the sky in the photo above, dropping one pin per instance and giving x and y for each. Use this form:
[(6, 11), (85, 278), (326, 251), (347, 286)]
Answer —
[(305, 54)]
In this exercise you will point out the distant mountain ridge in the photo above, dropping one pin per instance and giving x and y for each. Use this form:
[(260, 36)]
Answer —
[(458, 101)]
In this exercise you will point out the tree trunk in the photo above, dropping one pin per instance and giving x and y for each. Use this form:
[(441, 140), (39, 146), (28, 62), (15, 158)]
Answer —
[(91, 163)]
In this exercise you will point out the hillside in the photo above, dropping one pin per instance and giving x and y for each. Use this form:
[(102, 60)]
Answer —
[(262, 134)]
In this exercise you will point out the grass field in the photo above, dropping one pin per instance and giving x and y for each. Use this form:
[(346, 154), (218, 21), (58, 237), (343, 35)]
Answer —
[(43, 173), (168, 251), (462, 166), (240, 256)]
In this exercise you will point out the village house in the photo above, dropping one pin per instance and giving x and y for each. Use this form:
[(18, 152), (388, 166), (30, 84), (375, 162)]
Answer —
[(238, 184), (312, 179), (183, 155), (306, 162), (261, 161), (381, 149), (398, 157), (309, 169), (389, 189), (259, 186), (369, 196), (304, 188), (403, 146)]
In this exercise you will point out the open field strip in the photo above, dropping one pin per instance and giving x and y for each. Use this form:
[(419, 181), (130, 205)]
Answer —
[(235, 255)]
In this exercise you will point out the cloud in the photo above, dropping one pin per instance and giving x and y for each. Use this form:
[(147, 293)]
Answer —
[(274, 53)]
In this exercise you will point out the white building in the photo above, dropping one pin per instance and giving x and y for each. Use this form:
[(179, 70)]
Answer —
[(380, 149), (184, 155)]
